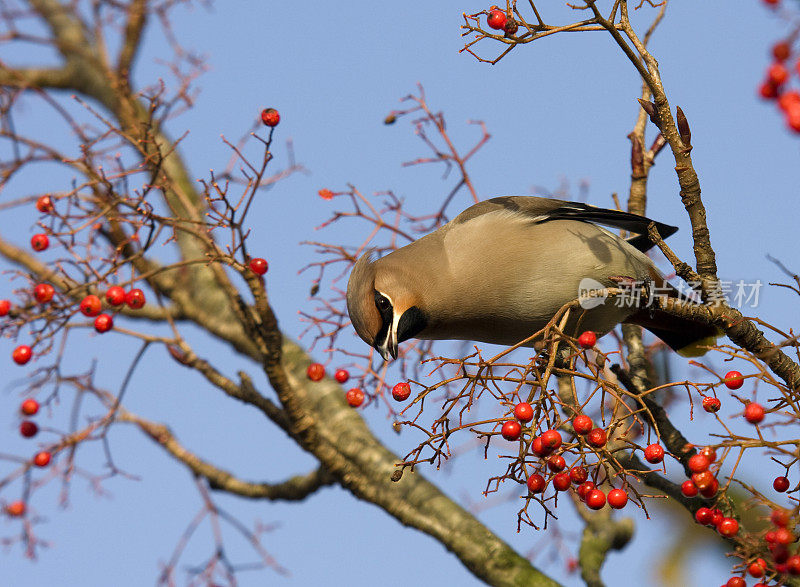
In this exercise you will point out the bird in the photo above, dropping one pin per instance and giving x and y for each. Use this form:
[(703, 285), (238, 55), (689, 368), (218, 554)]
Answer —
[(500, 270)]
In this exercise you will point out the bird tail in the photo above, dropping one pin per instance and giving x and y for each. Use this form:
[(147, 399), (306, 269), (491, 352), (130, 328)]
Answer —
[(687, 337)]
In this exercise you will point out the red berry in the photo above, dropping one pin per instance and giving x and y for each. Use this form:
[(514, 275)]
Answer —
[(44, 204), (587, 340), (259, 266), (704, 516), (582, 424), (561, 481), (709, 453), (536, 483), (401, 391), (718, 517), (711, 404), (703, 479), (757, 568), (538, 447), (654, 453), (781, 51), (788, 99), (578, 475), (325, 194), (779, 518), (617, 498), (16, 509), (597, 438), (341, 375), (595, 499), (783, 536), (497, 19), (103, 323), (551, 440), (793, 565), (698, 463), (22, 354), (711, 490), (689, 489), (780, 484), (584, 488), (769, 538), (523, 412), (5, 307), (270, 117), (511, 430), (754, 412), (777, 74), (29, 407), (728, 527), (135, 299), (771, 2), (793, 117), (556, 463), (768, 91), (355, 397), (115, 295), (733, 380), (780, 554), (736, 582), (91, 305), (315, 372), (28, 429), (39, 242), (43, 293), (42, 459)]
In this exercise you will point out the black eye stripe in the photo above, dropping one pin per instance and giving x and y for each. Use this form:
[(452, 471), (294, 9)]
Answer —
[(383, 304), (387, 315)]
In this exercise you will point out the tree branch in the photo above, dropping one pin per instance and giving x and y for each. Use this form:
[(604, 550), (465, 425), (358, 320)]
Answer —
[(295, 488), (134, 26), (601, 534)]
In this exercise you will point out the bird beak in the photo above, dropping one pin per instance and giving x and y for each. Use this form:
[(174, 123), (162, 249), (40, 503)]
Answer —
[(388, 347)]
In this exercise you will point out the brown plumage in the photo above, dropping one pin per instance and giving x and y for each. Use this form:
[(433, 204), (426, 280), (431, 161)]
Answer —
[(499, 271)]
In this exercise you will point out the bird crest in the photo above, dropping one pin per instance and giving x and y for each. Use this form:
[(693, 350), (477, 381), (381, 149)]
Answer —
[(361, 298)]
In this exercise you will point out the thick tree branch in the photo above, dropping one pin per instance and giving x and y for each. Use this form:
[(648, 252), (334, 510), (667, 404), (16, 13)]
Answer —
[(134, 26), (601, 534), (59, 78), (340, 439), (296, 488)]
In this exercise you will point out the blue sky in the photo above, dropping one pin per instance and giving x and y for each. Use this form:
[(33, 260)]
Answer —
[(558, 110)]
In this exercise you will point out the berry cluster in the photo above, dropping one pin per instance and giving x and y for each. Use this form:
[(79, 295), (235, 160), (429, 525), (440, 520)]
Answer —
[(776, 85), (90, 306), (355, 396), (500, 21), (28, 429), (552, 464), (703, 481), (778, 539)]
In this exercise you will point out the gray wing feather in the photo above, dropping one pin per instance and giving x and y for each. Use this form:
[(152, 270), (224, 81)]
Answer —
[(545, 209)]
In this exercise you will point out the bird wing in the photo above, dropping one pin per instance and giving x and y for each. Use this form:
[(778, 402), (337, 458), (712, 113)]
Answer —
[(541, 210)]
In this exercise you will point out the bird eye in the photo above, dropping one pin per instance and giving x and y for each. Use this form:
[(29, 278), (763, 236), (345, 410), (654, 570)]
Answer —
[(382, 303)]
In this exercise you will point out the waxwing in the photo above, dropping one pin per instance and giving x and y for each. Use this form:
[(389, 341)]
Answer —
[(501, 269)]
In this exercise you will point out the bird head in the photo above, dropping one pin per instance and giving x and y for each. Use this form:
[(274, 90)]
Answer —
[(383, 304)]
